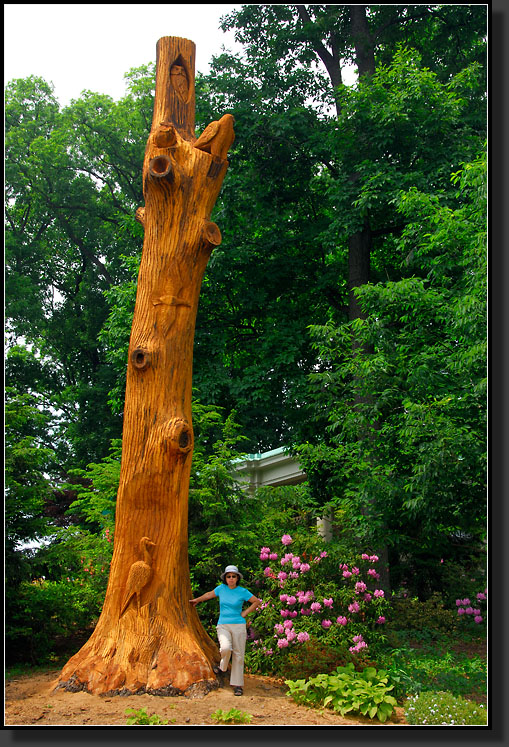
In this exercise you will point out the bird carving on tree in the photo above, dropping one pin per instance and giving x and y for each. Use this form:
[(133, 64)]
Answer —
[(217, 137), (140, 574)]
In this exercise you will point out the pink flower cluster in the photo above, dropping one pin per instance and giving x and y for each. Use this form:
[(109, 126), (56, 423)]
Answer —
[(289, 635), (347, 573), (318, 558), (297, 565), (305, 596), (465, 606), (470, 611), (267, 554), (288, 613), (359, 644)]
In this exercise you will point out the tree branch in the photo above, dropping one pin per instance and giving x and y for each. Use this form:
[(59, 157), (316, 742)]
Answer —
[(83, 249), (329, 59)]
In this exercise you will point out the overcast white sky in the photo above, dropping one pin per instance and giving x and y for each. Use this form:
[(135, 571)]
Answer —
[(82, 46)]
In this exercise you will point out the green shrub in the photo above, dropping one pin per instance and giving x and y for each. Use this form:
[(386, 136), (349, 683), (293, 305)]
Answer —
[(433, 668), (347, 691), (233, 716), (41, 611), (63, 598), (405, 680), (463, 579), (444, 709), (430, 617), (313, 658)]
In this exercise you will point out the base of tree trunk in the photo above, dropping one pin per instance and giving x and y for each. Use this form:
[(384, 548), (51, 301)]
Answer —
[(196, 690), (142, 655)]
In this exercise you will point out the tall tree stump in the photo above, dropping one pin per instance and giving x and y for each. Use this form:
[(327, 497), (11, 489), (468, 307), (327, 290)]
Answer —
[(148, 637)]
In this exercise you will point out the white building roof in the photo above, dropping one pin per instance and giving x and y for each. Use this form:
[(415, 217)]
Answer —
[(274, 467)]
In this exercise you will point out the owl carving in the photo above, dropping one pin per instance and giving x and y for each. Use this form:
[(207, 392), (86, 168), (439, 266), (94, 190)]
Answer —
[(179, 81)]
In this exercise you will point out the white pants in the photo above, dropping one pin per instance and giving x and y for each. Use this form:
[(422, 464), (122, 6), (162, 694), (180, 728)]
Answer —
[(232, 643)]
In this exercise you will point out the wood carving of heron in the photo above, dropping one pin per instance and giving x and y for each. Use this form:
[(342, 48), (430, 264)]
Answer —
[(139, 575)]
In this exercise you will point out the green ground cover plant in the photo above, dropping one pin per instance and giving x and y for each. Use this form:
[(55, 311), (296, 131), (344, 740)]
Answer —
[(233, 716), (444, 709), (347, 691), (142, 718)]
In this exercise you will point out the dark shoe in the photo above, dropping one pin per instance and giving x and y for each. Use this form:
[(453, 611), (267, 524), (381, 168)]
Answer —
[(238, 691)]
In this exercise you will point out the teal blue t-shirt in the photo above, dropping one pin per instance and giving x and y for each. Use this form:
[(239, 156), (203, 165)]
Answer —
[(230, 604)]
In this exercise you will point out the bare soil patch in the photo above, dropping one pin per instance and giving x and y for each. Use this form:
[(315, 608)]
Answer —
[(32, 700)]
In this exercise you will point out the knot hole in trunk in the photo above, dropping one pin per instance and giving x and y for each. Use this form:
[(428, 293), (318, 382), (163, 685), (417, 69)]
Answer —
[(140, 359)]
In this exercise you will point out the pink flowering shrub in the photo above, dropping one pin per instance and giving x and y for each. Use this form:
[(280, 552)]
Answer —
[(473, 611), (338, 605)]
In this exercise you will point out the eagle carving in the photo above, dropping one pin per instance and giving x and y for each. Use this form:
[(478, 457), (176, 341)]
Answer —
[(217, 137)]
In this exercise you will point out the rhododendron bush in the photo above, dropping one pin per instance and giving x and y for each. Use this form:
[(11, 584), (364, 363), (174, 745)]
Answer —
[(315, 596)]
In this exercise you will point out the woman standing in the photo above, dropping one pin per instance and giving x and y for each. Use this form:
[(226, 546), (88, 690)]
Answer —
[(231, 626)]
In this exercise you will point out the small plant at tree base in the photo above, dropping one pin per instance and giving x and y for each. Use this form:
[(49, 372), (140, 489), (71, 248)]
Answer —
[(233, 716), (347, 691), (141, 718), (444, 709)]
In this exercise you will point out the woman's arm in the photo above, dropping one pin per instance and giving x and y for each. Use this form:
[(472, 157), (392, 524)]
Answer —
[(204, 598), (255, 602)]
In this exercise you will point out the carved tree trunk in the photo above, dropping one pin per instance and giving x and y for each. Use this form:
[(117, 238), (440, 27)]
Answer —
[(148, 637)]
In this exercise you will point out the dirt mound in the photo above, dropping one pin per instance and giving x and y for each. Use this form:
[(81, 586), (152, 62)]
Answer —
[(32, 700)]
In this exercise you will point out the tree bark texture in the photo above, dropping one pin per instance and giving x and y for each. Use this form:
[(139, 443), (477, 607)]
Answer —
[(148, 637)]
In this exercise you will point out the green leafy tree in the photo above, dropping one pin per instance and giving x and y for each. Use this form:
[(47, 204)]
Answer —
[(422, 471), (27, 484), (309, 211), (72, 187)]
